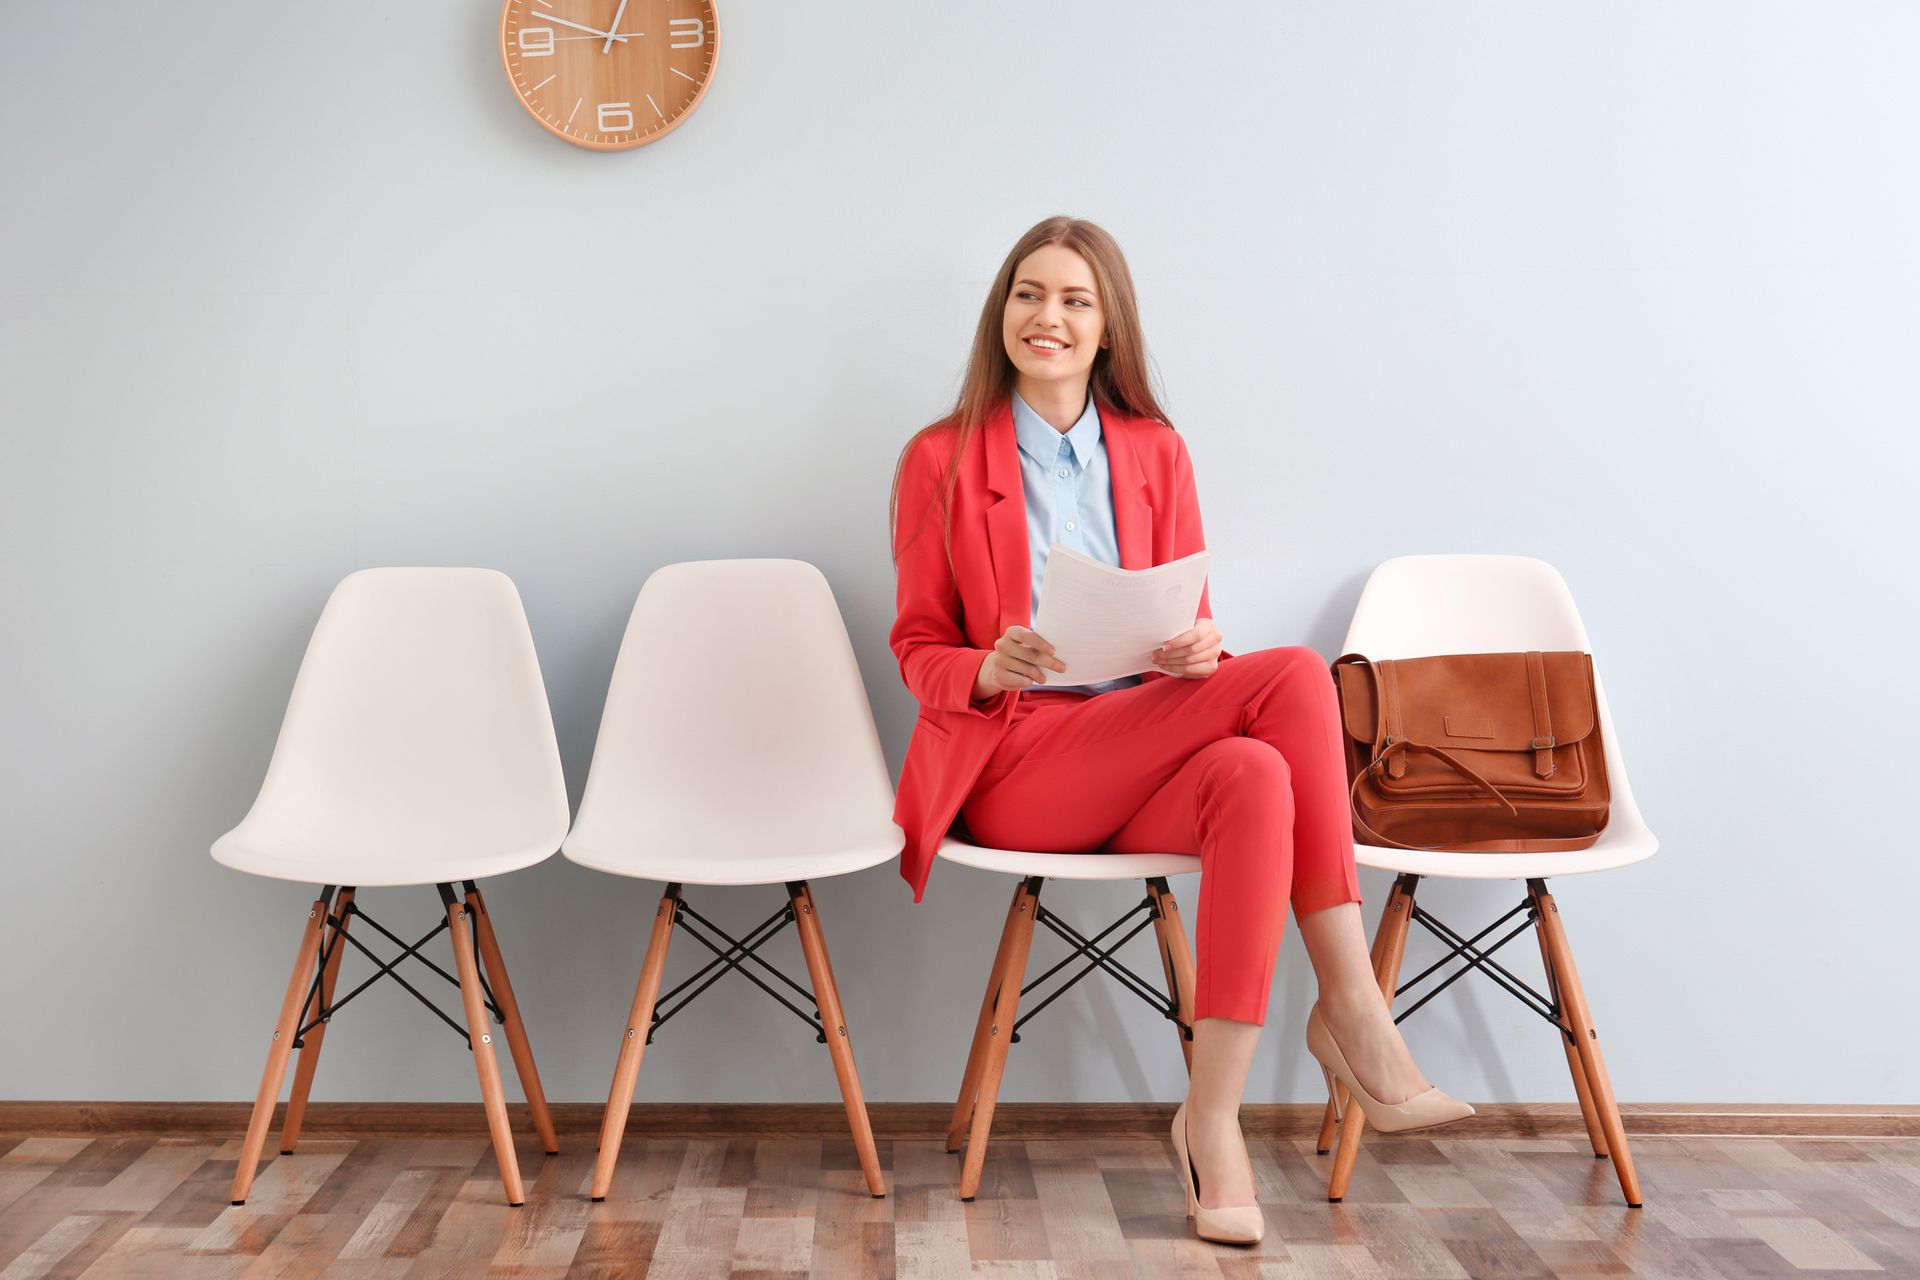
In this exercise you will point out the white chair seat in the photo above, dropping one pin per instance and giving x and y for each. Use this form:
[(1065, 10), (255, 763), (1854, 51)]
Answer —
[(764, 864), (370, 868), (1604, 856), (1069, 866)]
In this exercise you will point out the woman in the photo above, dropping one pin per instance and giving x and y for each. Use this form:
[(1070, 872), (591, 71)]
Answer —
[(1058, 437)]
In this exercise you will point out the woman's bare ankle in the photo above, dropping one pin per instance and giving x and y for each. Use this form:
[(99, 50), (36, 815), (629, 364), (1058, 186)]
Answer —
[(1364, 1029), (1352, 1011)]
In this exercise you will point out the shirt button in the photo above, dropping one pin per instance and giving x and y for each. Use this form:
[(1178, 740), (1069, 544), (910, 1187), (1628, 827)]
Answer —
[(1069, 526), (1063, 473)]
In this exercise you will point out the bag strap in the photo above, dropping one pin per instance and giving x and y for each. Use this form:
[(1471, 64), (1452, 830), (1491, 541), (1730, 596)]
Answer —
[(1543, 742), (1535, 844), (1404, 747), (1393, 721)]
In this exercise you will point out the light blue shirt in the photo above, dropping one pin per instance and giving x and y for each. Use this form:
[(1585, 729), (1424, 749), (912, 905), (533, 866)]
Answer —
[(1069, 501)]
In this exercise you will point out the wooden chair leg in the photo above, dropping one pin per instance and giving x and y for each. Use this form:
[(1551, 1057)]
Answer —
[(1596, 1137), (522, 1049), (977, 1054), (826, 994), (284, 1029), (1580, 1022), (1006, 1008), (485, 1064), (1176, 958), (633, 1044), (333, 946), (1337, 1100), (1397, 919)]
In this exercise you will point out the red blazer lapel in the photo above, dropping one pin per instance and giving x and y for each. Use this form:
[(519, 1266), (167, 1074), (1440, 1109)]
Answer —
[(1007, 524), (1132, 513)]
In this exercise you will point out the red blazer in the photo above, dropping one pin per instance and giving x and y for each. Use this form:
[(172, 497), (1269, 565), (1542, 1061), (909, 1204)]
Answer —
[(947, 620)]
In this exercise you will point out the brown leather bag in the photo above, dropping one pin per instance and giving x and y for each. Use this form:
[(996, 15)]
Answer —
[(1478, 752)]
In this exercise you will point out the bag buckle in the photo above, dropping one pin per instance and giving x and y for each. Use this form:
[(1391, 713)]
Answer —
[(1396, 767), (1544, 764)]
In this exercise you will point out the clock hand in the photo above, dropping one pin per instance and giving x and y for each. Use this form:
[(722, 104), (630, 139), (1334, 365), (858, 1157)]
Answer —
[(613, 26), (621, 36)]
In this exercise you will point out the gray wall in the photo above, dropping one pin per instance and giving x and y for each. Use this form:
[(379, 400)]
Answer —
[(1629, 287)]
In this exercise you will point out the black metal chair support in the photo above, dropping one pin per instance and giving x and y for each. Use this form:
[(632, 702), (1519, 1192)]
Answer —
[(730, 958), (1481, 959), (1167, 1006), (336, 927)]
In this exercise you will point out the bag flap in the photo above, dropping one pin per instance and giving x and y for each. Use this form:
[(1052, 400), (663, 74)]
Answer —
[(1356, 701), (1472, 701)]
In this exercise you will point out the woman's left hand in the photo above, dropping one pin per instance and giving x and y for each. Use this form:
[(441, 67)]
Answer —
[(1192, 655)]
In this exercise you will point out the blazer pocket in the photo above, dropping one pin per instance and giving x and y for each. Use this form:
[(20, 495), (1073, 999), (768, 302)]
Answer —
[(938, 732)]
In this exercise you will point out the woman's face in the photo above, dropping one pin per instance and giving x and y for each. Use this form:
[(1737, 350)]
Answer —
[(1053, 326)]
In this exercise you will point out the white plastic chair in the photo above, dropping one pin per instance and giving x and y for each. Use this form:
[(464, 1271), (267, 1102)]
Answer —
[(1000, 1017), (417, 749), (1421, 606), (736, 748)]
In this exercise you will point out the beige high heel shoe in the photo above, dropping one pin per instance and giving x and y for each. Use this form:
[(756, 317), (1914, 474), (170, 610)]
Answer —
[(1235, 1224), (1422, 1111)]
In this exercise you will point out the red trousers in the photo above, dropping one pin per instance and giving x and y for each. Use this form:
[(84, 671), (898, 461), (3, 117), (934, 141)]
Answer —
[(1243, 767)]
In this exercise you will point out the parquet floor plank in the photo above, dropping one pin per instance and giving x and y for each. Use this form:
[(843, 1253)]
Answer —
[(929, 1223), (55, 1188), (145, 1251), (544, 1236), (1075, 1210), (1896, 1249), (27, 1164), (702, 1227), (69, 1234), (461, 1241)]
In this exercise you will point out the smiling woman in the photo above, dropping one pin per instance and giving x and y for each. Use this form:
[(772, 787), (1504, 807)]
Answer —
[(1059, 440), (612, 87)]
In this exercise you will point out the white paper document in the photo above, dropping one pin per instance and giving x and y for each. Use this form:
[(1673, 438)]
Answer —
[(1104, 622)]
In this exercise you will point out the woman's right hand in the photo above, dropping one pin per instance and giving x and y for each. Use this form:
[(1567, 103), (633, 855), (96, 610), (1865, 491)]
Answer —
[(1020, 658)]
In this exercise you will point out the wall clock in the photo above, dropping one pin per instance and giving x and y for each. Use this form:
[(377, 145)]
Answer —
[(609, 74)]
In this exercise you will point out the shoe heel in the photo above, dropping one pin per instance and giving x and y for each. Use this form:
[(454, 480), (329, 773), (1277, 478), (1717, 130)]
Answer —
[(1333, 1093), (1186, 1164)]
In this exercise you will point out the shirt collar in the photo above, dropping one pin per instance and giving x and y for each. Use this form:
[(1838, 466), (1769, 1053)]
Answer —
[(1039, 441)]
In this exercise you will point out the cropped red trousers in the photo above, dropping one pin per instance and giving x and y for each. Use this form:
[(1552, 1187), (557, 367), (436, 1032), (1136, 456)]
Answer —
[(1243, 767)]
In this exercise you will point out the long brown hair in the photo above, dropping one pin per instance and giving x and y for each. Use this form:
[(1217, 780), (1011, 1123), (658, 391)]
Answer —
[(1119, 378)]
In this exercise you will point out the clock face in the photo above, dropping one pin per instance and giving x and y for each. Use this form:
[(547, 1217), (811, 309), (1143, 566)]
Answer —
[(609, 74)]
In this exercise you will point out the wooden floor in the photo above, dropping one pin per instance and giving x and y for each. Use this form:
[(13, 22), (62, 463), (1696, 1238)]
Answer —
[(392, 1208)]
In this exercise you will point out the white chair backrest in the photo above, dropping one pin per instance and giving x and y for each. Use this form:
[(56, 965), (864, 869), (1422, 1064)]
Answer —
[(736, 724), (1419, 606), (418, 727)]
